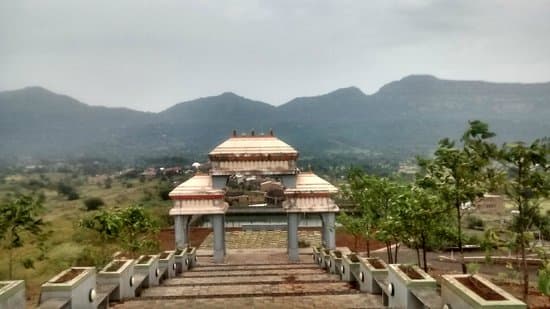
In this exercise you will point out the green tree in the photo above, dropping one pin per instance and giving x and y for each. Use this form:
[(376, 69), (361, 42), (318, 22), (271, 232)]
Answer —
[(137, 230), (353, 225), (19, 219), (460, 174), (527, 184), (422, 216)]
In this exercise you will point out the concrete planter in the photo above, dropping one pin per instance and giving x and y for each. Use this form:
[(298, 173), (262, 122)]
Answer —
[(325, 258), (467, 291), (120, 273), (148, 265), (401, 279), (192, 254), (77, 284), (317, 255), (369, 270), (12, 294), (335, 261), (182, 260), (167, 263), (349, 269)]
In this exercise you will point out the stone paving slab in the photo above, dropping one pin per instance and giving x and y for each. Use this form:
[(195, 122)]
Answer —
[(295, 302), (221, 267), (255, 256), (249, 289), (257, 272), (261, 239), (249, 280)]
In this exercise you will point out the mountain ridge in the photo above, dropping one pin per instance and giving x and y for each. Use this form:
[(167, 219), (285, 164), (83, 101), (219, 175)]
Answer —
[(410, 114)]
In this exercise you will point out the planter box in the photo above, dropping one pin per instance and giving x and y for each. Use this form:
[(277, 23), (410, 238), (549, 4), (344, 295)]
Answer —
[(325, 258), (167, 264), (76, 284), (369, 270), (182, 260), (120, 273), (349, 269), (401, 279), (12, 294), (335, 261), (317, 255), (192, 254), (148, 265), (467, 291)]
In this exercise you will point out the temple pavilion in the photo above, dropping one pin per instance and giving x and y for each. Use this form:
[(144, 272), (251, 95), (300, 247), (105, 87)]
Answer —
[(253, 156)]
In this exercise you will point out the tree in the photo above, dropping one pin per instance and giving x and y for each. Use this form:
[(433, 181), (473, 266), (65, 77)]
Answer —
[(67, 190), (93, 203), (353, 225), (460, 175), (19, 218), (138, 229), (422, 216), (528, 182)]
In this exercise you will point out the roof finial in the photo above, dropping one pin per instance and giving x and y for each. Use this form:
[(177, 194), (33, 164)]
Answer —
[(271, 132), (234, 133)]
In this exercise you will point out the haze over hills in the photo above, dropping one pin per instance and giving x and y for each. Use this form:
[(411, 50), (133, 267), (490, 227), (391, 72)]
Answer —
[(406, 116)]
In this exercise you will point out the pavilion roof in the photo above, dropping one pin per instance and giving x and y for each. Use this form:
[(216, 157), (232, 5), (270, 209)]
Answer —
[(198, 187), (308, 182), (253, 145)]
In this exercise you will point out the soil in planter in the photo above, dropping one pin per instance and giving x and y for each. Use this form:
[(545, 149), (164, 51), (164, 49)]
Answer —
[(144, 259), (410, 272), (115, 266), (353, 258), (338, 254), (327, 251), (480, 288), (164, 255), (376, 263), (179, 251), (68, 276)]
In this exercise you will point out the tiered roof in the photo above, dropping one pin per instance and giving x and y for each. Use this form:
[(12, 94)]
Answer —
[(253, 147)]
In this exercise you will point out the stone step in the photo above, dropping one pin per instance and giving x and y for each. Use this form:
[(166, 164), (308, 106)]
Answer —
[(271, 279), (310, 301), (254, 267), (252, 272), (268, 265), (251, 290)]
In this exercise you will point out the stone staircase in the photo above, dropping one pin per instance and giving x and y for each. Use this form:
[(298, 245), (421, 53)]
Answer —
[(263, 285)]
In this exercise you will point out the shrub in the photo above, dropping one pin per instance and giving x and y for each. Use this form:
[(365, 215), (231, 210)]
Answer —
[(93, 203), (475, 223)]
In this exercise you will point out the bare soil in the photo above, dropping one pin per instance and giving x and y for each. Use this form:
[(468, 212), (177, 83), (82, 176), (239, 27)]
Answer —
[(68, 276), (115, 266), (338, 254), (410, 272), (144, 259), (164, 255), (354, 258), (376, 263), (480, 288)]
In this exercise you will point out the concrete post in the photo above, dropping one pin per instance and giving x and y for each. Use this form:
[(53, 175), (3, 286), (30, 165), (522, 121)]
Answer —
[(323, 236), (181, 231), (293, 250), (219, 241), (329, 230)]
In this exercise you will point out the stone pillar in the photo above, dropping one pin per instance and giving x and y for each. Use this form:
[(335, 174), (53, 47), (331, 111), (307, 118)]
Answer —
[(329, 230), (219, 237), (293, 250), (181, 230), (323, 237)]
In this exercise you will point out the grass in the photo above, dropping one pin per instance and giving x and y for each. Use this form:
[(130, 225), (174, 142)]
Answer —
[(67, 241)]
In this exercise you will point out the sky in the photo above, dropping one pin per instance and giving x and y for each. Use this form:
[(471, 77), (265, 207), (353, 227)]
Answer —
[(149, 55)]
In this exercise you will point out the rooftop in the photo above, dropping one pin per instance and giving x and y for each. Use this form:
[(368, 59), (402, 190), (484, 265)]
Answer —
[(198, 185), (308, 182), (253, 145)]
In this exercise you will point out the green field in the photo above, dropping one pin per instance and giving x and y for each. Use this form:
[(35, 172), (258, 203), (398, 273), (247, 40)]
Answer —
[(67, 241)]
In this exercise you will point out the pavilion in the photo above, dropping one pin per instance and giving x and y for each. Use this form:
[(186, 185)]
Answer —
[(253, 155)]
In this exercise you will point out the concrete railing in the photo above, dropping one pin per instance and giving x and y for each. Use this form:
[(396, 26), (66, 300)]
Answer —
[(148, 265), (167, 264), (371, 269), (12, 294), (121, 274)]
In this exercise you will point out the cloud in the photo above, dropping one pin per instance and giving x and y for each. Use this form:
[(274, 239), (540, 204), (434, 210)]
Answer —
[(149, 55)]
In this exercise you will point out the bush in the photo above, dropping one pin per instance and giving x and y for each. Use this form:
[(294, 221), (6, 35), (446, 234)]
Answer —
[(67, 190), (474, 223), (93, 203)]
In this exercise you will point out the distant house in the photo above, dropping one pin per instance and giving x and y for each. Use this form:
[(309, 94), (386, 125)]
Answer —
[(171, 171), (492, 202), (150, 172)]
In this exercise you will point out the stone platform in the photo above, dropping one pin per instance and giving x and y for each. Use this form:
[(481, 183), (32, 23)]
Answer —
[(255, 278)]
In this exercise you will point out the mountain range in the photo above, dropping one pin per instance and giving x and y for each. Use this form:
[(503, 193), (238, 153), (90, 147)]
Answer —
[(407, 117)]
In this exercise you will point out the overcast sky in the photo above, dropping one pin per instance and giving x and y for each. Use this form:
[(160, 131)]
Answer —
[(148, 55)]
